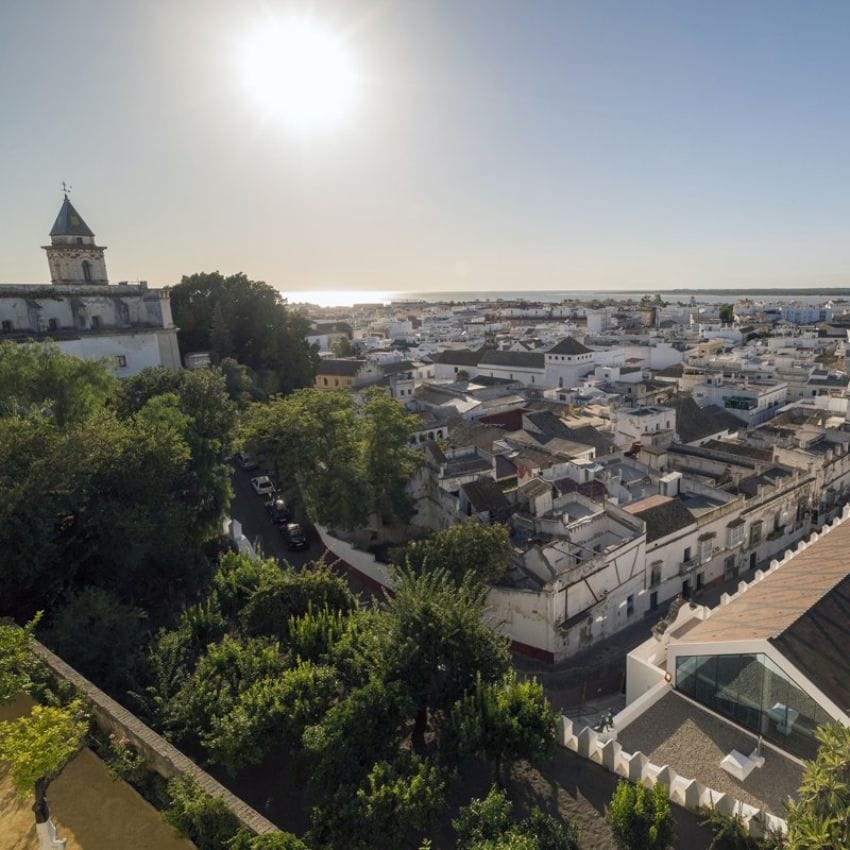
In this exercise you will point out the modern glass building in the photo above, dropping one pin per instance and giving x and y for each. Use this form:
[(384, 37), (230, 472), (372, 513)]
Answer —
[(751, 690), (775, 658)]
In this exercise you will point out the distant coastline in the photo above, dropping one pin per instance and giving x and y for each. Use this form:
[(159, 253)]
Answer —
[(346, 298)]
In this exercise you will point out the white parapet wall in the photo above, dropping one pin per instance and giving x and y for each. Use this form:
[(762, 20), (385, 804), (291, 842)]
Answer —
[(361, 562), (603, 749)]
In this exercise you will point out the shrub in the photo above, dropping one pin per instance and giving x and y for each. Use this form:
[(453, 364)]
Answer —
[(199, 816)]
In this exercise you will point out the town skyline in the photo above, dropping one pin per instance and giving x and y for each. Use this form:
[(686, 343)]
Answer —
[(488, 147)]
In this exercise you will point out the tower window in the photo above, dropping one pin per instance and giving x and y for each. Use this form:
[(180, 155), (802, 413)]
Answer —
[(87, 271), (6, 326)]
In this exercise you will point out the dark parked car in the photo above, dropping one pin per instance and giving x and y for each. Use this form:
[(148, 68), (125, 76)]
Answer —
[(278, 510), (245, 461), (294, 536)]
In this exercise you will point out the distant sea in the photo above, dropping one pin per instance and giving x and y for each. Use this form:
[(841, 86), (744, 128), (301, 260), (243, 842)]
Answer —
[(348, 297)]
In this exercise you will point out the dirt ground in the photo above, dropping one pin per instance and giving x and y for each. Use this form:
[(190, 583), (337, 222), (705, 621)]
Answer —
[(91, 809), (567, 786)]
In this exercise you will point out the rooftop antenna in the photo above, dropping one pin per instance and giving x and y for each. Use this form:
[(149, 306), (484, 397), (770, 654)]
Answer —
[(66, 188)]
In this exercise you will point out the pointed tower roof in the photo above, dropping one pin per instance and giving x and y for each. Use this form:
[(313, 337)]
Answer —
[(69, 222)]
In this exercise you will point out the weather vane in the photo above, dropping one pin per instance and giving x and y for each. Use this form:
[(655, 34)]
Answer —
[(66, 188)]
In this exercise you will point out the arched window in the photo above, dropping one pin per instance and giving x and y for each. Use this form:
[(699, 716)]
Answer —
[(87, 271)]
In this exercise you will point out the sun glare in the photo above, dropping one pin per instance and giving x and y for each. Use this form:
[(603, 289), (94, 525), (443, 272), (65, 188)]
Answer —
[(300, 73)]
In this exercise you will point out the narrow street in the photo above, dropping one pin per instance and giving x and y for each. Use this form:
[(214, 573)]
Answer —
[(248, 508)]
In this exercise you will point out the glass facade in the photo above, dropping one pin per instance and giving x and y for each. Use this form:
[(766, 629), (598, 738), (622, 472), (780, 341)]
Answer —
[(755, 693)]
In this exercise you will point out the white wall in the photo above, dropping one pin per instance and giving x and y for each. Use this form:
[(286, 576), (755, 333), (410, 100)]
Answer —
[(141, 350)]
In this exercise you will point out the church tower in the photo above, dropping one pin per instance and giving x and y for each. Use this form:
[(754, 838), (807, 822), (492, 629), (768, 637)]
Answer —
[(72, 255)]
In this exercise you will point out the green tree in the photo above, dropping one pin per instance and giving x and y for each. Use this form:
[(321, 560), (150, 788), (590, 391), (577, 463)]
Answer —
[(16, 660), (272, 712), (247, 320), (640, 818), (122, 492), (237, 577), (397, 799), (342, 347), (434, 641), (820, 817), (484, 820), (225, 671), (37, 747), (245, 840), (360, 730), (727, 313), (172, 657), (347, 462), (504, 721), (68, 389), (487, 825), (311, 439), (240, 382), (484, 551), (389, 460), (292, 593), (205, 819), (100, 636)]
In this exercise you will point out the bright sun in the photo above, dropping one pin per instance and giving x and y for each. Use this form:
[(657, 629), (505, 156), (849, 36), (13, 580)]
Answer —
[(300, 73)]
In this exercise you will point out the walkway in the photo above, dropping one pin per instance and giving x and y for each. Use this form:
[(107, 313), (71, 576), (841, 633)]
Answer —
[(90, 808)]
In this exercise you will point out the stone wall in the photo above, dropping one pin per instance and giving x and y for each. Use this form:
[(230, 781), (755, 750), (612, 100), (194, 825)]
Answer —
[(164, 758)]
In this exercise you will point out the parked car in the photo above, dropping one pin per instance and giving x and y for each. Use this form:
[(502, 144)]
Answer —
[(278, 510), (245, 461), (294, 536), (262, 485)]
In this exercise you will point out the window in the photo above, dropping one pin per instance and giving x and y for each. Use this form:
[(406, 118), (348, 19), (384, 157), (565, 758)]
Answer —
[(655, 574), (6, 326), (121, 361), (687, 555), (79, 240), (706, 547), (325, 380), (755, 533), (86, 271), (735, 533), (729, 570), (630, 605), (51, 324), (95, 322), (754, 692)]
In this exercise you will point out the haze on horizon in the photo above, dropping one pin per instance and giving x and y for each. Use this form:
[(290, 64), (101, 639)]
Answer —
[(491, 145)]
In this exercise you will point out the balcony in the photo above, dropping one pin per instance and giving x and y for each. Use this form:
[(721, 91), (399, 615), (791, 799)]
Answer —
[(688, 566)]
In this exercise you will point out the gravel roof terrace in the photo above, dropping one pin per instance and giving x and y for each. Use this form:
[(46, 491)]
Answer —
[(693, 742)]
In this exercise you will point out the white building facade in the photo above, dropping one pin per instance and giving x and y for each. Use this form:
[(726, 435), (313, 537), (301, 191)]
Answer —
[(127, 325)]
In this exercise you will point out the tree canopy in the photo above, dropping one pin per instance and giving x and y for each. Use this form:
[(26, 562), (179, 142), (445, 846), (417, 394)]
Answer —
[(640, 817), (487, 825), (107, 484), (820, 818), (468, 548), (248, 321), (347, 462)]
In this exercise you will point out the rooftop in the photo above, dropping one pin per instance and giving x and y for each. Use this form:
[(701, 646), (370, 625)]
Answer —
[(802, 609), (569, 345), (678, 732), (662, 518), (69, 222)]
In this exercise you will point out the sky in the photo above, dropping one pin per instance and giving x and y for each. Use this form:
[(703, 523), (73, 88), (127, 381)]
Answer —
[(493, 145)]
